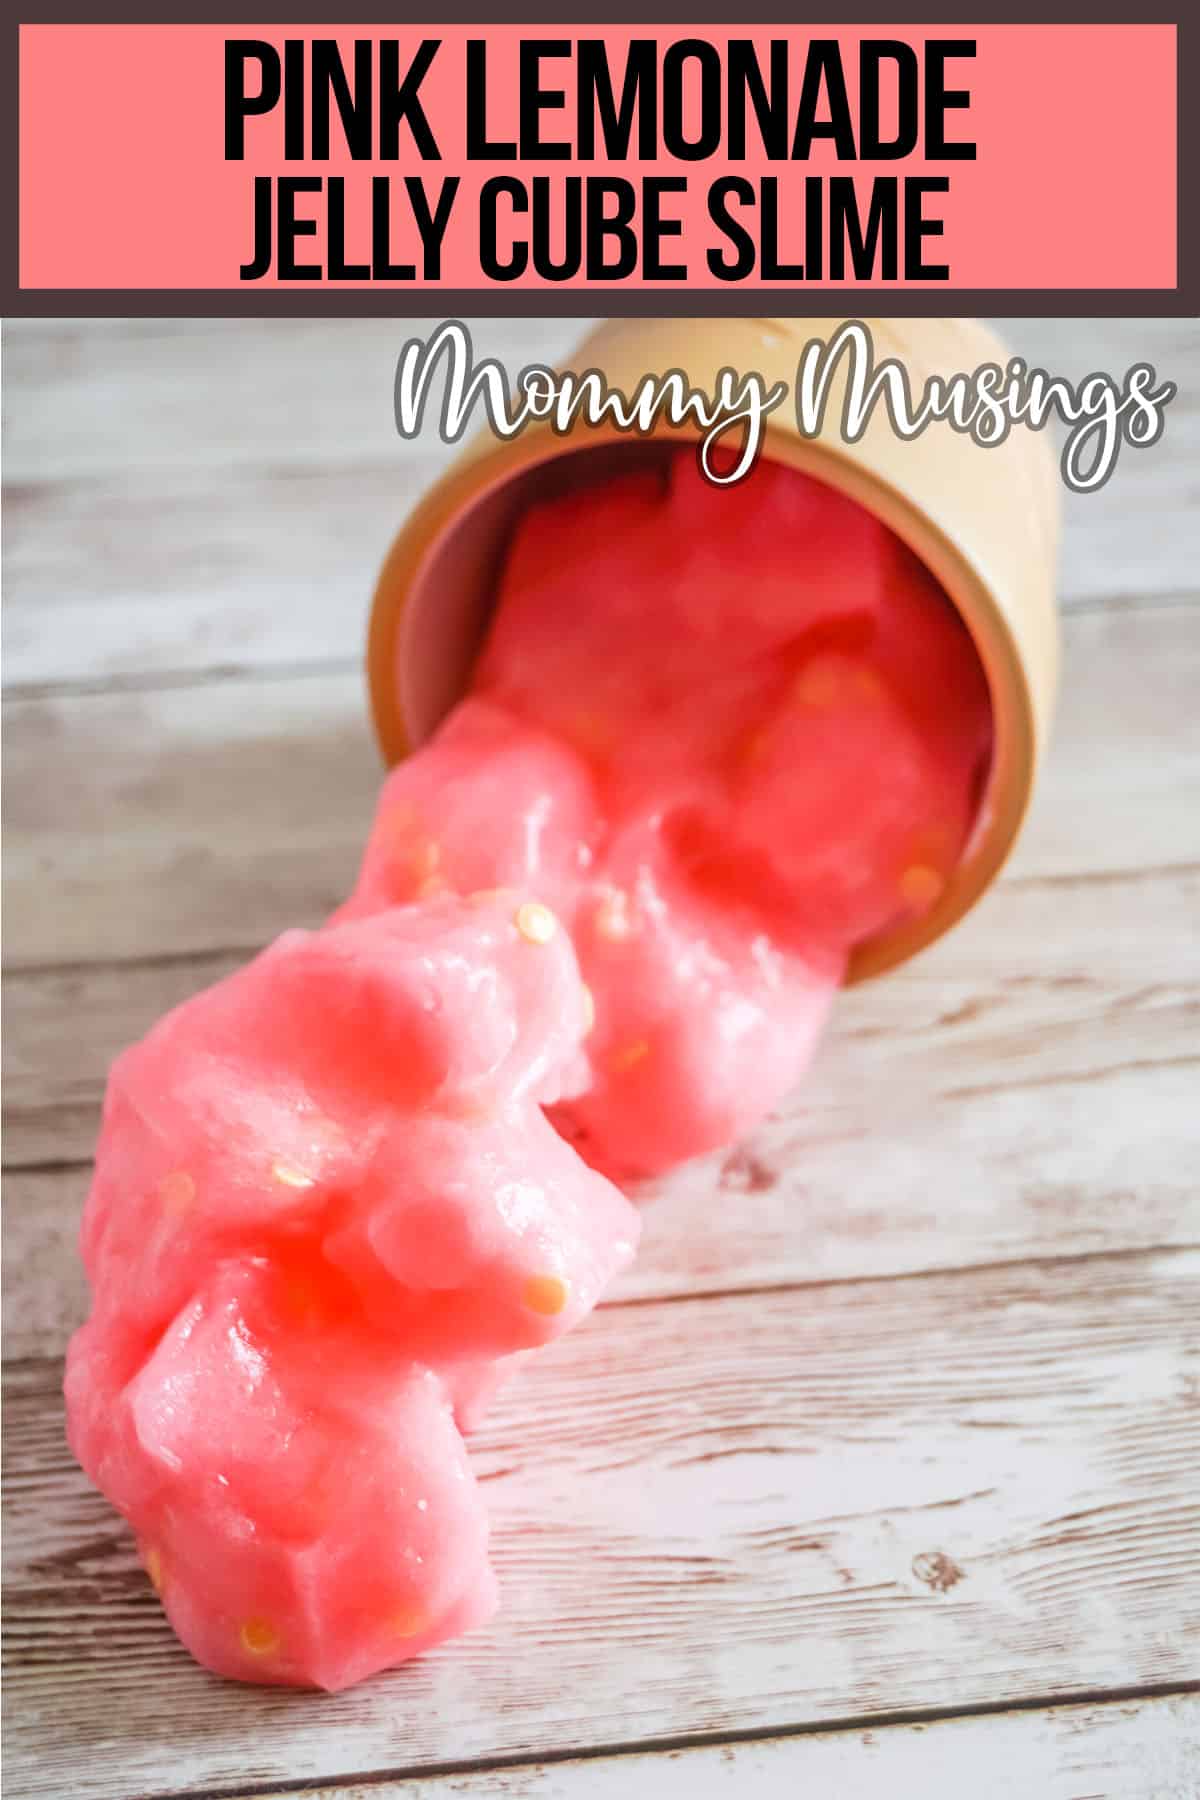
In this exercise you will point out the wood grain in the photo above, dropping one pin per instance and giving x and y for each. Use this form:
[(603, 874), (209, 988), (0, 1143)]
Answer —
[(222, 496), (238, 514), (1115, 1752), (725, 1514)]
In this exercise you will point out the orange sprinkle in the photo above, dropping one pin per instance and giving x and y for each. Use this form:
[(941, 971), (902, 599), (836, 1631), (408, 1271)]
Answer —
[(545, 1294), (591, 731), (259, 1637), (154, 1568), (920, 885), (287, 1175), (629, 1057), (408, 1622), (535, 922), (412, 859), (481, 1104), (820, 684), (177, 1191)]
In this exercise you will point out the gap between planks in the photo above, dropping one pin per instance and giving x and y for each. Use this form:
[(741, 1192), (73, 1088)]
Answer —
[(990, 1752)]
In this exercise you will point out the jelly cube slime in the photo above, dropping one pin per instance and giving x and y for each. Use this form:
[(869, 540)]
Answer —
[(715, 739)]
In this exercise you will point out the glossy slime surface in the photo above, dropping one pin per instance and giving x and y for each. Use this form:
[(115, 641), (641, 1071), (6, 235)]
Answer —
[(715, 739)]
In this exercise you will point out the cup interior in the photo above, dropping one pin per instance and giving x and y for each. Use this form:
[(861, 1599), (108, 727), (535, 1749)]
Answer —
[(437, 591), (453, 590)]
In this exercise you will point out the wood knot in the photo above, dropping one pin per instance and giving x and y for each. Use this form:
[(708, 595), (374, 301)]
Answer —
[(937, 1570), (743, 1173)]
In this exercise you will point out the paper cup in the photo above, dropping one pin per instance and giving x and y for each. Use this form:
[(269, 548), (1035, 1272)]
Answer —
[(984, 521)]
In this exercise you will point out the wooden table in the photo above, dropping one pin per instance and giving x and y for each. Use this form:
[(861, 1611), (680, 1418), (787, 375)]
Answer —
[(879, 1476)]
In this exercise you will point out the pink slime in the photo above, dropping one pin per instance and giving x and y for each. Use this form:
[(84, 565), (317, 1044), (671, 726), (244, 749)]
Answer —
[(715, 739)]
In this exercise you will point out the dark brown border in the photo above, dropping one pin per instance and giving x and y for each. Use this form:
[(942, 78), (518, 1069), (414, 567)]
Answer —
[(1183, 300)]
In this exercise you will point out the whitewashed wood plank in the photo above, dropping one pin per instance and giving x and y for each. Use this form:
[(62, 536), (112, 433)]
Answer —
[(1136, 1750), (45, 1291), (1121, 787), (736, 1514), (187, 820), (223, 496), (210, 817), (63, 1028), (226, 394), (1141, 532), (216, 496), (215, 570)]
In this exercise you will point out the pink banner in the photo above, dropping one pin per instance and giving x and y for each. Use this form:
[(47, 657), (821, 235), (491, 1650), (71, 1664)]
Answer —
[(939, 158)]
